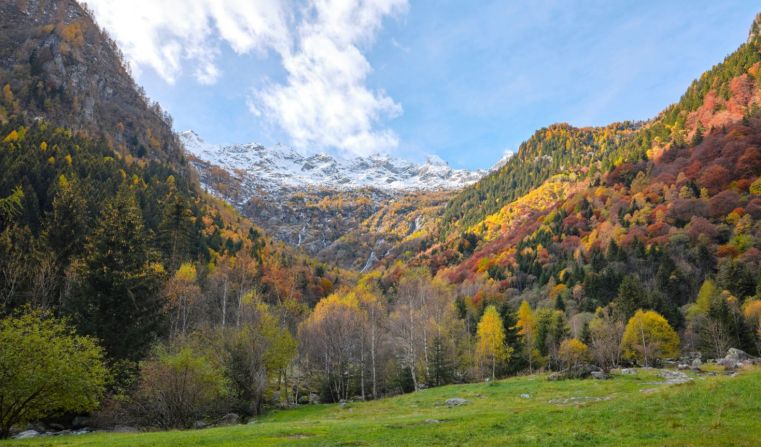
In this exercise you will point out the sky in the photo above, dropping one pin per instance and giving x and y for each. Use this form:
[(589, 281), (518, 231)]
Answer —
[(464, 80)]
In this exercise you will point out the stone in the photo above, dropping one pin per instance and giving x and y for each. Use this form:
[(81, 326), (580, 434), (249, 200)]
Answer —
[(125, 429), (27, 434), (525, 396), (432, 421), (456, 401), (600, 375), (734, 358), (697, 363), (314, 398), (229, 419), (683, 366), (200, 424), (628, 371), (674, 377)]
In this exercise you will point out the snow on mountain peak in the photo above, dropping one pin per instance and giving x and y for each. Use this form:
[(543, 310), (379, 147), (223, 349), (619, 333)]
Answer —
[(280, 167)]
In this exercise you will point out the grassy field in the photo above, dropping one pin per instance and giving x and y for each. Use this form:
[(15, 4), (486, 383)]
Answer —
[(634, 410)]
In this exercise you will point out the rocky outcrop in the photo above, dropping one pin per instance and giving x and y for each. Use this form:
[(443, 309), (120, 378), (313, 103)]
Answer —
[(755, 29)]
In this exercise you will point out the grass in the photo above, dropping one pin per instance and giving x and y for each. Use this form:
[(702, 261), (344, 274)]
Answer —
[(625, 411)]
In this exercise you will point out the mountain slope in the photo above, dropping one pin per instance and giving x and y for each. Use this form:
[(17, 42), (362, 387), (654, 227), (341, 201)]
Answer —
[(99, 207), (669, 203), (351, 212)]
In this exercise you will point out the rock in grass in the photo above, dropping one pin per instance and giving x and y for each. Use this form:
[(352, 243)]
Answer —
[(600, 375), (628, 371), (456, 402), (27, 434)]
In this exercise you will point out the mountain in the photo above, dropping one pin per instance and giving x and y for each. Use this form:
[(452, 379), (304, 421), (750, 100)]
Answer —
[(344, 210), (280, 168)]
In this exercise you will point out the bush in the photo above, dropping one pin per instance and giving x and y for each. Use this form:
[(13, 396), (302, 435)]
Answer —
[(45, 368), (178, 388)]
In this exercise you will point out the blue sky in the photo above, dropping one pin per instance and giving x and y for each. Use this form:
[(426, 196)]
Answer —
[(463, 80)]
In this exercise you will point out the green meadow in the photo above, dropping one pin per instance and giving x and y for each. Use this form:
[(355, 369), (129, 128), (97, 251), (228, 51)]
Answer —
[(628, 410)]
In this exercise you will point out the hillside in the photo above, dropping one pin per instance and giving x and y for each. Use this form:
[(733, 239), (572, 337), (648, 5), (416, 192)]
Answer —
[(527, 411), (671, 201), (99, 209)]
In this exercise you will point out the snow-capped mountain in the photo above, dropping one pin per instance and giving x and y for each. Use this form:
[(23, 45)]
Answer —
[(279, 167)]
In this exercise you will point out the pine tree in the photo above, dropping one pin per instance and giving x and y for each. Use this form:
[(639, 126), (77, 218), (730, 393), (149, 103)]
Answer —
[(176, 227), (119, 299)]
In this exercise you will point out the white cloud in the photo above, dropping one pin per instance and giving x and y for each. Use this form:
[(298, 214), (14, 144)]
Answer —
[(324, 101)]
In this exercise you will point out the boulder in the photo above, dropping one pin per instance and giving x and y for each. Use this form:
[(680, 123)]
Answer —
[(628, 371), (683, 366), (600, 375), (200, 424), (456, 401), (674, 377), (697, 363), (229, 419), (576, 372), (27, 434), (734, 358), (314, 398)]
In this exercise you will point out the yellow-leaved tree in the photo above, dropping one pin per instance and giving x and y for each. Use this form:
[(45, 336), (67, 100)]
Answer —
[(649, 337), (526, 326), (491, 339), (573, 352)]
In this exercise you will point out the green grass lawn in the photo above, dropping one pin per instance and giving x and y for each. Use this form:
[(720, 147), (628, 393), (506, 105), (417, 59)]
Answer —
[(625, 411)]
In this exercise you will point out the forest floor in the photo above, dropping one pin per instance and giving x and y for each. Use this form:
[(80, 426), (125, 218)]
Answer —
[(627, 410)]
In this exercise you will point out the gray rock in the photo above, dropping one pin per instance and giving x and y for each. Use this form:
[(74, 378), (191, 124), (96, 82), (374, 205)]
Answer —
[(314, 398), (734, 358), (628, 371), (674, 377), (576, 372), (27, 434), (200, 424), (683, 366), (600, 375), (525, 396), (456, 402), (125, 429), (229, 419), (697, 363)]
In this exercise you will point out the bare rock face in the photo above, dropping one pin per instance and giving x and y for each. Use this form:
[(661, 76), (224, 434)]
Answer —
[(755, 29)]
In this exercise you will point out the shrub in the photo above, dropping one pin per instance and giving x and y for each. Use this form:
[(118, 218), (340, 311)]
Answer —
[(178, 388), (45, 368)]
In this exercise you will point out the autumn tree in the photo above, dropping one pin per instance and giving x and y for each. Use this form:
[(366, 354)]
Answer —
[(491, 339), (527, 331), (45, 368), (572, 352), (183, 295), (330, 341), (648, 337), (605, 335)]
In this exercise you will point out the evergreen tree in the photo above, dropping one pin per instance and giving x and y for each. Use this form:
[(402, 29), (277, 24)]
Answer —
[(631, 297), (176, 227), (119, 299)]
